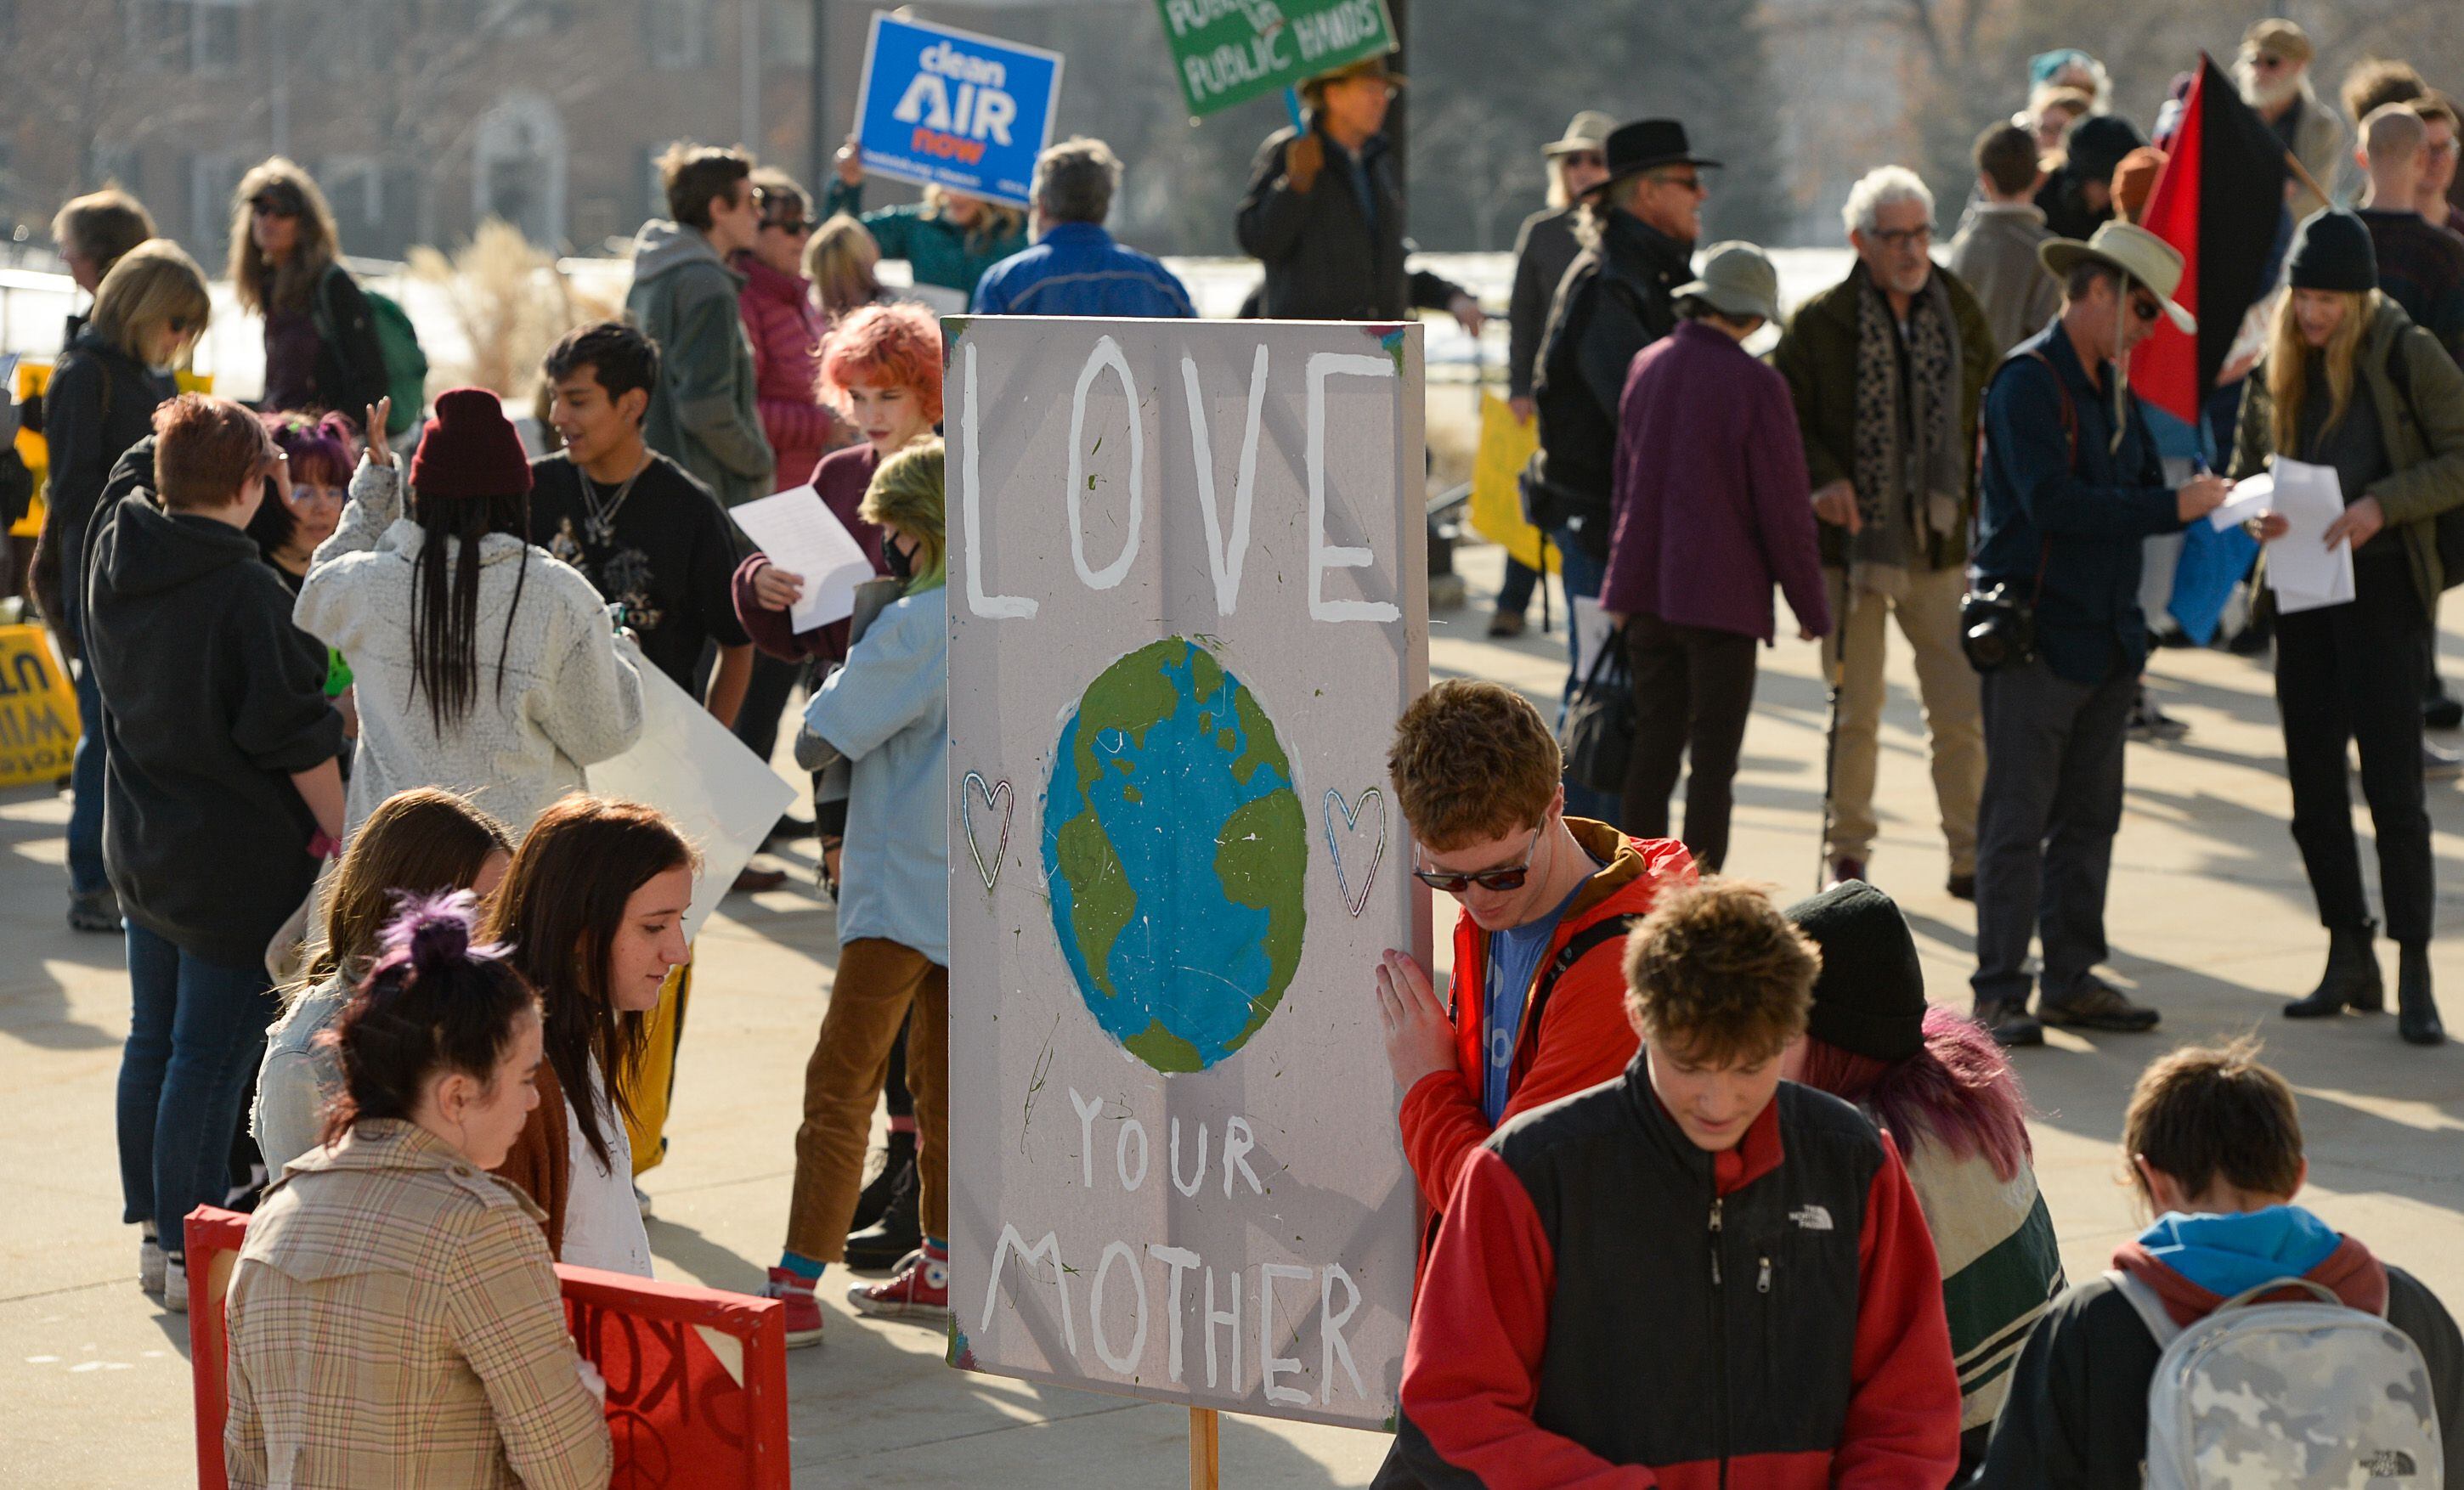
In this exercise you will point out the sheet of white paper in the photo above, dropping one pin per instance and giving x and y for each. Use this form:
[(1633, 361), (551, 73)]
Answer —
[(1591, 630), (690, 766), (2304, 573), (2247, 500), (801, 535)]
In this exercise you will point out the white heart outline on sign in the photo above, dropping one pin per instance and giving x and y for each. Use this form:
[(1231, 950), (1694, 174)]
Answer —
[(1334, 804), (995, 794)]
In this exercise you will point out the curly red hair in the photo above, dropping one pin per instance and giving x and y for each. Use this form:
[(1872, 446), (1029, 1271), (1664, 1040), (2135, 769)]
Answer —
[(884, 345)]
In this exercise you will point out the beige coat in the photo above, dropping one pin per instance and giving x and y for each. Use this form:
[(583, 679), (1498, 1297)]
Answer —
[(394, 1320)]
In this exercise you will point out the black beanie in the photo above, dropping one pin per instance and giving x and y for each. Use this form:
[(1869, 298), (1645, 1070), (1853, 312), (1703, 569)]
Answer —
[(1870, 999), (2332, 250), (2096, 144)]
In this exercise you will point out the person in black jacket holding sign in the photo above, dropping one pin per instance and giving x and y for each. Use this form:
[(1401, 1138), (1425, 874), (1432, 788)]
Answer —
[(1325, 211), (1638, 231), (320, 343)]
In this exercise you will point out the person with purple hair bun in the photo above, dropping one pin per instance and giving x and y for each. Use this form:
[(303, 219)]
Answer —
[(290, 524), (394, 1314), (1942, 1090)]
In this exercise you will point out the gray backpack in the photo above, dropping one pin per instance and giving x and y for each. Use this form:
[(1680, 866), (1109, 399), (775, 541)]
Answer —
[(2286, 1396)]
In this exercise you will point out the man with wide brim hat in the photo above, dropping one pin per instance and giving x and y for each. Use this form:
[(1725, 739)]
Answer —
[(1647, 145), (1545, 247), (1324, 210), (2072, 486), (1641, 220)]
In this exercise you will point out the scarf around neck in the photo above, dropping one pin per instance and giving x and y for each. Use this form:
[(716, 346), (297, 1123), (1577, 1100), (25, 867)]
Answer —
[(1911, 469)]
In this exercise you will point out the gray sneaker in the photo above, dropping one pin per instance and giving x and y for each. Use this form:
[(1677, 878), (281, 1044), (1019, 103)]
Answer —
[(96, 911), (2096, 1005)]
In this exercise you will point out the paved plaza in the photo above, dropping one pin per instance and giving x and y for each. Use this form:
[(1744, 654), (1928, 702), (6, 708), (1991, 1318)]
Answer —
[(2210, 921)]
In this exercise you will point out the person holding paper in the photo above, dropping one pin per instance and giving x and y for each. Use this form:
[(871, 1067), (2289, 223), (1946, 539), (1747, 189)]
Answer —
[(886, 713), (2348, 383), (2072, 484)]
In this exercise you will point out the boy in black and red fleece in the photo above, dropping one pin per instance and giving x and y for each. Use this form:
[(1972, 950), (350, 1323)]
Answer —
[(2214, 1141), (1693, 1275)]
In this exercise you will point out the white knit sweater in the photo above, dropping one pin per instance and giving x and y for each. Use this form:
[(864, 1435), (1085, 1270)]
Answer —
[(570, 696)]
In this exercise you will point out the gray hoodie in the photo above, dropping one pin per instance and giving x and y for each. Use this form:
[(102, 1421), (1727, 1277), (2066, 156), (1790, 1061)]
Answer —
[(702, 415)]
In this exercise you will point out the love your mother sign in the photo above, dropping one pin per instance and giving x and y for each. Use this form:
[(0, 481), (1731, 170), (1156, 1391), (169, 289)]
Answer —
[(1188, 578)]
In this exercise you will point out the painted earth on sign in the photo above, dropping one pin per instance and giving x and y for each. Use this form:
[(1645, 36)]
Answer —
[(1175, 849)]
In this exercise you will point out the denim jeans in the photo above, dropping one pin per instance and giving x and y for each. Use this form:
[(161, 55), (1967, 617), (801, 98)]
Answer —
[(85, 788), (1581, 575), (195, 1033)]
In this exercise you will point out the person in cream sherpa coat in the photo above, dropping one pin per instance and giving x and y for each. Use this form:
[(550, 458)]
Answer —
[(556, 689)]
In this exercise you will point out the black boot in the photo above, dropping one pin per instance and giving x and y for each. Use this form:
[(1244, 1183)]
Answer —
[(2416, 1011), (874, 1198), (899, 1231), (2351, 980)]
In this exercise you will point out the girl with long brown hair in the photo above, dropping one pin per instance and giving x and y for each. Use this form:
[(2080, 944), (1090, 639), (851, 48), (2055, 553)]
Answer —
[(320, 342), (422, 843), (2349, 383), (593, 910)]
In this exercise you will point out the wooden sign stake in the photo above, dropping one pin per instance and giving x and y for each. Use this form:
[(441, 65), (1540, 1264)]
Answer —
[(1203, 1426)]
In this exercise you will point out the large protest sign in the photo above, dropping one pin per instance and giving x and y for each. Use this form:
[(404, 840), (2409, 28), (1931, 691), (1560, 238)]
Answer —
[(722, 797), (38, 712), (697, 1378), (1188, 600), (1229, 51), (950, 108)]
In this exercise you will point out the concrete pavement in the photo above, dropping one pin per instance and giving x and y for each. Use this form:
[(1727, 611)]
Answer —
[(2211, 920)]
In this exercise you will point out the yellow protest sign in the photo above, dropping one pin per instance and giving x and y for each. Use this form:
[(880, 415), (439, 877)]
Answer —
[(31, 379), (1506, 447), (38, 713)]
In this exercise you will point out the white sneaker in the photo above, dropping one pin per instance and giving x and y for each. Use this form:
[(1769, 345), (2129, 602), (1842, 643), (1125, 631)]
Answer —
[(641, 1198), (149, 1265), (175, 1285)]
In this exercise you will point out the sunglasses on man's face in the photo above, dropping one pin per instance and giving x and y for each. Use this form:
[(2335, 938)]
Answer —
[(2146, 308), (1501, 877), (1896, 238)]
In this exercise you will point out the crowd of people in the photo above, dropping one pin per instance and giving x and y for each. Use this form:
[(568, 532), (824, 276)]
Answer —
[(403, 986)]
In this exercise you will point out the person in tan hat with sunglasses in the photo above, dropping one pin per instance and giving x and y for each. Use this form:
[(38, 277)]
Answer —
[(2072, 484), (1324, 210), (2274, 73)]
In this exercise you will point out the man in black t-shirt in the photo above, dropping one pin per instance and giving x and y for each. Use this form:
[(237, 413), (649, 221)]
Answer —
[(651, 537)]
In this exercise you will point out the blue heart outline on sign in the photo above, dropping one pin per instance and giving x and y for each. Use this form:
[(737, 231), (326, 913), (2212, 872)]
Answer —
[(1333, 804), (995, 794)]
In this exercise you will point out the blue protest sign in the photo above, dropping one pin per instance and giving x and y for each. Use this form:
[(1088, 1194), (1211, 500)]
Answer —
[(948, 107)]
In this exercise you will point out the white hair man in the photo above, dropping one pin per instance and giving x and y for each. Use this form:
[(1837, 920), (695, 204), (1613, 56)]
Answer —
[(1886, 369), (2273, 75)]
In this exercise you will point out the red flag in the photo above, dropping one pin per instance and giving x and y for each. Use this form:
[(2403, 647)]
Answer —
[(2220, 201)]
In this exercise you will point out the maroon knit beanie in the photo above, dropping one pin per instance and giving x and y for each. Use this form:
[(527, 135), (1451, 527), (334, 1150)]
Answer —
[(470, 450)]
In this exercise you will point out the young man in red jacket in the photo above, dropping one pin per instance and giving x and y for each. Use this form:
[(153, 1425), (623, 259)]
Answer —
[(1547, 900), (1694, 1275)]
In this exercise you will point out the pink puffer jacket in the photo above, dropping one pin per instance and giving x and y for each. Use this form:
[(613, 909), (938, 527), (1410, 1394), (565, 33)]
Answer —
[(786, 331)]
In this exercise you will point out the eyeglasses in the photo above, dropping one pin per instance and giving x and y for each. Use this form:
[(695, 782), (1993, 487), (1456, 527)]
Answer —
[(1694, 183), (1590, 158), (2144, 307), (1502, 877), (272, 207), (1896, 238), (792, 227)]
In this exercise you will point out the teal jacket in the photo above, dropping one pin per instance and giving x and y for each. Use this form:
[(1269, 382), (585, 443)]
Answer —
[(703, 414), (939, 251)]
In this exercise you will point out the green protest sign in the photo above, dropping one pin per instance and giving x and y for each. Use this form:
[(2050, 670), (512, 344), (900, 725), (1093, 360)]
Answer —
[(1229, 51)]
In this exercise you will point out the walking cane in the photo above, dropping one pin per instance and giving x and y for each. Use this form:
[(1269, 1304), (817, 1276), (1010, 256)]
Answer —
[(1835, 671)]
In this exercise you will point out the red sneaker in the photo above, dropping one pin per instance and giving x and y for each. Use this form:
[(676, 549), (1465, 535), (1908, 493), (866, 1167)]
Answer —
[(804, 1310), (920, 1290)]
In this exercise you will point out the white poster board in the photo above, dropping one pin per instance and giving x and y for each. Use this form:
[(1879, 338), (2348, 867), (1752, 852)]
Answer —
[(723, 798), (1188, 576)]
